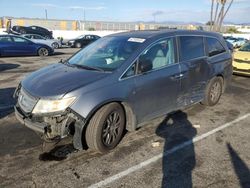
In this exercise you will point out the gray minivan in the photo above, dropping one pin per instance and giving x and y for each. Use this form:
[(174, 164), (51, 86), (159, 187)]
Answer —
[(122, 80)]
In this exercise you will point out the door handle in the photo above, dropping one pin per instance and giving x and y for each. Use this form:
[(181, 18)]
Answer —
[(177, 76)]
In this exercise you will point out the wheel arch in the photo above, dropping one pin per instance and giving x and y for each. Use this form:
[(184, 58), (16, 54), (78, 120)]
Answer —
[(129, 114), (220, 75), (79, 140)]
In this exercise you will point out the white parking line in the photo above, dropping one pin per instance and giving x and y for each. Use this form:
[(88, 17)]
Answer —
[(157, 157), (6, 107)]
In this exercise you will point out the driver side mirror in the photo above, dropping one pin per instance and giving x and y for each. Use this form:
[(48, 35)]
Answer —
[(144, 65)]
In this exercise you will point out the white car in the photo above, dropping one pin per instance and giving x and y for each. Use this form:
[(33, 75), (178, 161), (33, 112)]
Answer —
[(39, 39), (237, 42)]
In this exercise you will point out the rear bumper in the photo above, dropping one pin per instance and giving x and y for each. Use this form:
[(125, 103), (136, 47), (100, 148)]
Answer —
[(69, 44), (35, 126)]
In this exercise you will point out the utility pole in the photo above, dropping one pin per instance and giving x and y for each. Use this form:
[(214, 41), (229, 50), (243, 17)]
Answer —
[(46, 14), (84, 15)]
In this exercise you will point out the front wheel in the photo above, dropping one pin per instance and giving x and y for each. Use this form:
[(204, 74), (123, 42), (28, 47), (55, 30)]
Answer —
[(213, 91), (106, 128), (78, 45), (55, 45), (43, 52)]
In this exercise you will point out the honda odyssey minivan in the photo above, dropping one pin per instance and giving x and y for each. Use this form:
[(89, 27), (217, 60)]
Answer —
[(121, 81)]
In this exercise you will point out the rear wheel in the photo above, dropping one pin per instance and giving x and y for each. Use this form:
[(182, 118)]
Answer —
[(43, 52), (213, 91), (106, 128)]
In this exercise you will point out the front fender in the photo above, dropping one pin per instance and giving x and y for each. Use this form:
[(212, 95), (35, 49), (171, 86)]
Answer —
[(88, 102)]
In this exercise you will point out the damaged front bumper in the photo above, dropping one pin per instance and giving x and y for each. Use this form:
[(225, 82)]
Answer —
[(35, 126), (56, 126), (50, 125)]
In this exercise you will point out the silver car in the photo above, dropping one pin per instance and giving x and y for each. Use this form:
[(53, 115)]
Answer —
[(54, 43)]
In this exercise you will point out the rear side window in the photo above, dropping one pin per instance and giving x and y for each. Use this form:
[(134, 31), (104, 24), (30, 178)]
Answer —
[(191, 47), (28, 36), (20, 40), (214, 47), (37, 37)]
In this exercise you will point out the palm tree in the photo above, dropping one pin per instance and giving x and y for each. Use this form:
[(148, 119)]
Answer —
[(217, 20)]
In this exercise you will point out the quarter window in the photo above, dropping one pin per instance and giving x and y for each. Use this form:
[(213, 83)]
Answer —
[(130, 72), (214, 47), (191, 47)]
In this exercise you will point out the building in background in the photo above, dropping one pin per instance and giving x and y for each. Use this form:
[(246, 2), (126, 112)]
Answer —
[(78, 25)]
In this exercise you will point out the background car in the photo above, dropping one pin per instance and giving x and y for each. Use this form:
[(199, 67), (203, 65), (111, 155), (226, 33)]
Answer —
[(11, 45), (39, 39), (82, 41), (236, 42), (241, 62), (33, 30)]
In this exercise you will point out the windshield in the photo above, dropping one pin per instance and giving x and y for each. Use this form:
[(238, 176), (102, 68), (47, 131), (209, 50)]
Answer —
[(81, 36), (245, 47), (107, 53)]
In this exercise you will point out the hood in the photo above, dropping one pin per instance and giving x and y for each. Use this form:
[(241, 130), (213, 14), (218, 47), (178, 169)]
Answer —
[(56, 80), (242, 55)]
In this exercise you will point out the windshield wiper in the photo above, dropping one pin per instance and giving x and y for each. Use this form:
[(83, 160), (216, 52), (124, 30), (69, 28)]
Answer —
[(87, 67)]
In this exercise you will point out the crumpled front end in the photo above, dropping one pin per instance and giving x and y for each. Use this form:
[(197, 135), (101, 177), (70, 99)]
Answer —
[(50, 126)]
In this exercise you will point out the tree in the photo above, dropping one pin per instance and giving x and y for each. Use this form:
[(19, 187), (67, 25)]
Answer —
[(217, 16)]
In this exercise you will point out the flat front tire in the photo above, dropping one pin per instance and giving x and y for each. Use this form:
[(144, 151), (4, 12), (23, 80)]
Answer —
[(105, 128), (213, 91)]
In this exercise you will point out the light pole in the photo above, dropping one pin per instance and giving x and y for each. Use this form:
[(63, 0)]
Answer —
[(46, 14)]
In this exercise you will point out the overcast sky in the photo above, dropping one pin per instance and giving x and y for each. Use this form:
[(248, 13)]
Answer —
[(123, 10)]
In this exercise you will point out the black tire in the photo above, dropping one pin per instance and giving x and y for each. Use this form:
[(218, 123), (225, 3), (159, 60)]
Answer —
[(78, 45), (55, 45), (105, 128), (213, 91), (43, 52)]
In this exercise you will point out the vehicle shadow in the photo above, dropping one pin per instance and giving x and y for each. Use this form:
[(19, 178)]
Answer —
[(178, 161), (240, 168), (8, 66), (6, 101), (57, 53)]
